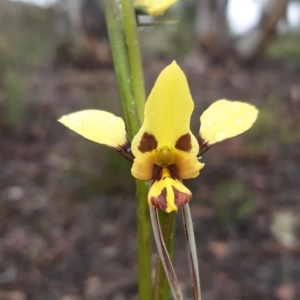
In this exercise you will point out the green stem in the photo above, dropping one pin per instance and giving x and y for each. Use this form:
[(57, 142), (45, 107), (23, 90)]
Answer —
[(131, 86), (119, 54), (144, 242), (161, 285), (134, 56), (143, 217)]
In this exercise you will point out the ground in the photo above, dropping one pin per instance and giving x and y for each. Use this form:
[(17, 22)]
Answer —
[(68, 208)]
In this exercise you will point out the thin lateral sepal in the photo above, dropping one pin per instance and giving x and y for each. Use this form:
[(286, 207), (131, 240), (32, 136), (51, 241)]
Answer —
[(192, 251), (164, 256), (161, 289)]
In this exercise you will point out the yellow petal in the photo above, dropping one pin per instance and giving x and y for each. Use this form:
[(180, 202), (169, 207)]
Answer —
[(187, 165), (225, 119), (168, 193), (142, 167), (167, 115), (154, 7), (98, 126)]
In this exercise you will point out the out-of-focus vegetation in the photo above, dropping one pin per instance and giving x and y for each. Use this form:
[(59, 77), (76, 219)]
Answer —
[(285, 46), (13, 102), (267, 125), (235, 205), (28, 34), (28, 39)]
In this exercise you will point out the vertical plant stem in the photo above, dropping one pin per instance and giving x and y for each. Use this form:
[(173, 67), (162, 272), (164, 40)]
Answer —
[(138, 87), (167, 221), (144, 242), (131, 86), (134, 56), (161, 285), (121, 66)]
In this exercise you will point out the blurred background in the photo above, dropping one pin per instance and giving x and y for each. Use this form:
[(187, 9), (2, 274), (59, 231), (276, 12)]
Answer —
[(67, 205)]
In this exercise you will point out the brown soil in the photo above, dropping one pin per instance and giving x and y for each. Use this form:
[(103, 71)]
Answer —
[(67, 214)]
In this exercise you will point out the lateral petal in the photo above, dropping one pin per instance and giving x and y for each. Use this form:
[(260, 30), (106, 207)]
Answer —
[(187, 165), (142, 167), (225, 119), (98, 126)]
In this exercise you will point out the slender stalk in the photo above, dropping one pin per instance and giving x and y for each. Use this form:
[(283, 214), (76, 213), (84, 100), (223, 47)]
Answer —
[(134, 56), (121, 66), (192, 251), (144, 234), (138, 87), (133, 99), (164, 256), (167, 221), (143, 217), (161, 285)]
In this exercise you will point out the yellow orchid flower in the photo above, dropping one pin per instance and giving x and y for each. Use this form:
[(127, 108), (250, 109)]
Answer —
[(164, 151), (154, 7)]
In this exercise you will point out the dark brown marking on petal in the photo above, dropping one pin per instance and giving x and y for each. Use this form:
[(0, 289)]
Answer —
[(156, 172), (203, 146), (125, 151), (174, 171), (181, 198), (160, 201), (184, 143), (147, 143)]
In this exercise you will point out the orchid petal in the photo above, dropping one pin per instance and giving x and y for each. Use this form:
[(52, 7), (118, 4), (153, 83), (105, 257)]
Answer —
[(142, 167), (187, 165), (225, 119), (154, 7), (98, 126), (167, 115)]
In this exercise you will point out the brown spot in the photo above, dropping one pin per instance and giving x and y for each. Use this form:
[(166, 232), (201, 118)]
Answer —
[(173, 171), (184, 143), (147, 143), (160, 201), (181, 198), (156, 173)]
